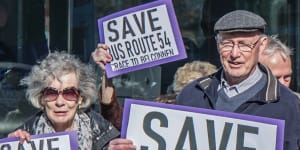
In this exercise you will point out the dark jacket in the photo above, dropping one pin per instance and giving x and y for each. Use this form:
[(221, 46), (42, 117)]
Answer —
[(103, 131), (273, 101)]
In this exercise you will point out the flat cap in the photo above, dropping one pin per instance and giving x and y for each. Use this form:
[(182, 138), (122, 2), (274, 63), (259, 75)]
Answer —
[(240, 21)]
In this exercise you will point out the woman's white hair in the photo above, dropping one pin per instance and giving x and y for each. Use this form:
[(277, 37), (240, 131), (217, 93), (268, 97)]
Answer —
[(54, 66)]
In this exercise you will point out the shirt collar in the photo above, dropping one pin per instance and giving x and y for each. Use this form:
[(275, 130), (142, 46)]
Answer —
[(244, 85)]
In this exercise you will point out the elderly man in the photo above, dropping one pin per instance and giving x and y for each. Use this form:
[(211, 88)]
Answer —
[(242, 85), (276, 56)]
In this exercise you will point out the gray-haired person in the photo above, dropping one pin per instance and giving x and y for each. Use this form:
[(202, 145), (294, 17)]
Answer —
[(243, 85), (277, 57), (63, 88)]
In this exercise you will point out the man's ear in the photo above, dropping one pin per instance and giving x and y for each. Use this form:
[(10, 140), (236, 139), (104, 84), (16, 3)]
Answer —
[(263, 45)]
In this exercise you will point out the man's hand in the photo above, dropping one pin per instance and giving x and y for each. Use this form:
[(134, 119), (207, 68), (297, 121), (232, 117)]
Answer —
[(121, 144)]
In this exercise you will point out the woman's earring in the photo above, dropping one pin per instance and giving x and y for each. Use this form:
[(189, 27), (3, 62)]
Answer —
[(80, 100)]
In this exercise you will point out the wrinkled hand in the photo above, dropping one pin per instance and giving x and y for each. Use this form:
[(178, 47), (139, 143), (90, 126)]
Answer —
[(23, 135), (101, 56), (121, 144)]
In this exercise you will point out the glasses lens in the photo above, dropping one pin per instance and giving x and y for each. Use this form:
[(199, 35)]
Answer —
[(244, 47), (71, 94), (50, 94), (226, 46)]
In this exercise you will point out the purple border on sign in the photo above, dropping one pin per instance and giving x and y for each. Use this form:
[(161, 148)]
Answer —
[(175, 29), (72, 136), (277, 122)]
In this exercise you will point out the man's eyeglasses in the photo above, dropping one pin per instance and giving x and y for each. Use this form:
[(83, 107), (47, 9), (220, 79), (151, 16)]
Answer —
[(51, 94), (225, 46)]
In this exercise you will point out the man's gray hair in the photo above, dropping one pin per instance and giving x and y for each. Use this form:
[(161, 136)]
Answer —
[(54, 66), (274, 44)]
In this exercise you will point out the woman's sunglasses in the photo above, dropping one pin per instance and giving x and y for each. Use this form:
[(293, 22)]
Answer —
[(51, 94)]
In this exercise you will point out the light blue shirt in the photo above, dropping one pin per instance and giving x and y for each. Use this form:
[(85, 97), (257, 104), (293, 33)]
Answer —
[(234, 90)]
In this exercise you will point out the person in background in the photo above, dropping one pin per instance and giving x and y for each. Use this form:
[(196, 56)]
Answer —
[(242, 85), (277, 57), (110, 107), (63, 88), (189, 72), (184, 75)]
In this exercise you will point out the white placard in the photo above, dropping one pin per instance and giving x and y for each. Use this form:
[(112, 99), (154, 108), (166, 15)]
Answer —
[(164, 126)]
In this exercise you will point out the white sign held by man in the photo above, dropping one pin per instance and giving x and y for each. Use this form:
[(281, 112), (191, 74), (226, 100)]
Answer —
[(165, 126)]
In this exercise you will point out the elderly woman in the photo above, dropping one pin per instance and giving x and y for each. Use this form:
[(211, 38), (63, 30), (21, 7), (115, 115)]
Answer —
[(63, 88)]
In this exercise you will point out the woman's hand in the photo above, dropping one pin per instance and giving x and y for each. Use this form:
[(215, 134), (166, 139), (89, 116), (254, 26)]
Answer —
[(23, 135), (121, 144), (101, 56), (110, 107)]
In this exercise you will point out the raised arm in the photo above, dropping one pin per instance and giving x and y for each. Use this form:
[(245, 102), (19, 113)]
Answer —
[(111, 110)]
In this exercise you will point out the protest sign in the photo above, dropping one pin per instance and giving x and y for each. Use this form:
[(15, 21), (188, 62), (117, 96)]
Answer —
[(53, 141), (141, 37), (153, 125)]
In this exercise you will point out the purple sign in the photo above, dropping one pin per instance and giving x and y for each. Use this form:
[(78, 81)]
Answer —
[(58, 140), (152, 125), (141, 37)]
